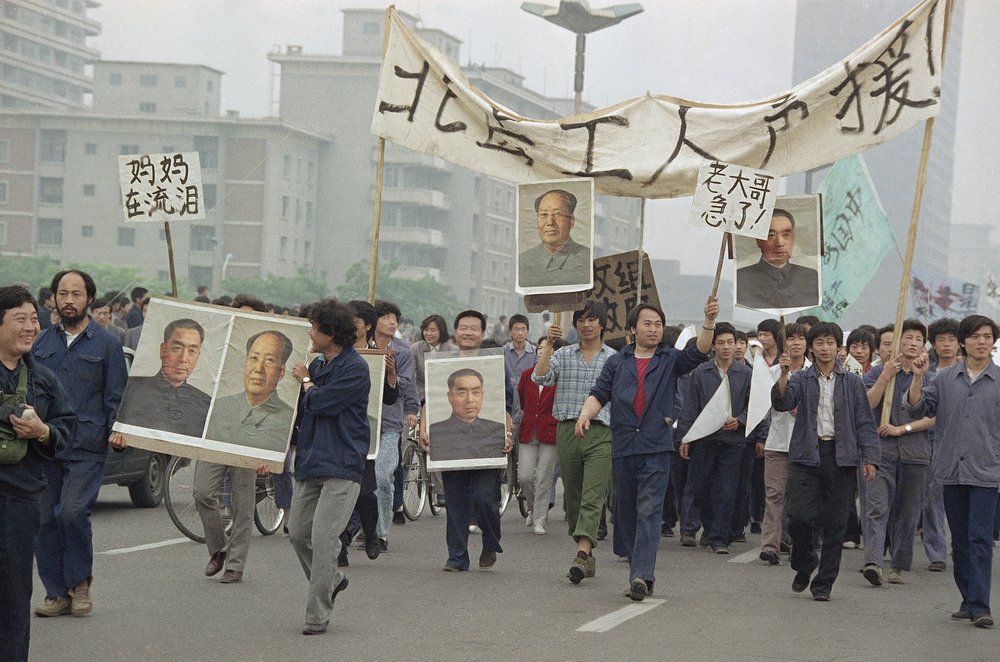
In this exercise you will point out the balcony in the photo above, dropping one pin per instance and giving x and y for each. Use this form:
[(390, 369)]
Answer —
[(419, 236), (408, 157), (416, 273), (408, 195)]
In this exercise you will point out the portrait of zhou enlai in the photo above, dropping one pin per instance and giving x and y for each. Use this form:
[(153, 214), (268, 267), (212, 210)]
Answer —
[(166, 401), (465, 435), (774, 282), (561, 257), (256, 416)]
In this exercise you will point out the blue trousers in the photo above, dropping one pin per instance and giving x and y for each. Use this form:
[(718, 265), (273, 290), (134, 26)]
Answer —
[(65, 550), (715, 473), (19, 524), (640, 485), (971, 511), (468, 492)]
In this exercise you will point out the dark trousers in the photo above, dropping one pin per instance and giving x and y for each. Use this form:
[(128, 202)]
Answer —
[(741, 506), (853, 531), (65, 549), (715, 474), (971, 511), (365, 515), (397, 477), (471, 492), (757, 500), (640, 481), (818, 498), (19, 525)]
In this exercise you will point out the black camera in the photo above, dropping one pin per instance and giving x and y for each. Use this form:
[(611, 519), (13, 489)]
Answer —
[(8, 409)]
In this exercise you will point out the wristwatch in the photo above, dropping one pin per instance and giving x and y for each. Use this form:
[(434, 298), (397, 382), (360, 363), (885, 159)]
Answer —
[(908, 428), (306, 379)]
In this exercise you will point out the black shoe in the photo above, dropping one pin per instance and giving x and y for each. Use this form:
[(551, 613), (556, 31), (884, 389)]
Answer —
[(739, 537), (602, 533), (440, 501), (638, 590), (962, 615), (785, 548), (215, 564), (801, 581), (770, 557), (487, 559), (667, 531), (755, 527), (720, 549), (383, 544), (703, 540), (314, 629), (342, 561), (821, 597), (873, 574), (372, 550), (337, 589), (399, 517), (983, 621)]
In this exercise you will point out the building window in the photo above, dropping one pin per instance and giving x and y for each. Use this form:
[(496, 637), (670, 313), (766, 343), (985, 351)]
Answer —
[(53, 145), (115, 79), (283, 248), (202, 238), (309, 212), (209, 86), (147, 80), (208, 151), (284, 206), (200, 275), (3, 193), (286, 167), (147, 107), (126, 236), (370, 29), (208, 196), (87, 231), (306, 250), (298, 210), (88, 190), (90, 149), (311, 170), (4, 151), (180, 81), (50, 231), (3, 234), (129, 149), (50, 190)]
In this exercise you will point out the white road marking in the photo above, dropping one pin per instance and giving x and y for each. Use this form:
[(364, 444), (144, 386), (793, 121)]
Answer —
[(152, 545), (747, 557), (617, 617)]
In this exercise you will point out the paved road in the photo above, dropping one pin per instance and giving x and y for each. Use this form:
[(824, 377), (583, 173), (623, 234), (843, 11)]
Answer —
[(155, 604)]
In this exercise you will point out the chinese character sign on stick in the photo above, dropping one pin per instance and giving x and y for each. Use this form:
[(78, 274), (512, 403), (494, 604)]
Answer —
[(734, 199), (161, 187)]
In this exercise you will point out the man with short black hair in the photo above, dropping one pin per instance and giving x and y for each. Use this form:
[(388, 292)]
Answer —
[(774, 281), (963, 399), (45, 306), (43, 432), (91, 363), (768, 334), (135, 315), (100, 310), (558, 259), (833, 434)]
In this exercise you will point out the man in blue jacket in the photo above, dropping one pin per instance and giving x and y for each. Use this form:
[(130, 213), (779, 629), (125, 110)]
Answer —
[(640, 382), (331, 440), (716, 459), (834, 433), (45, 432), (90, 363)]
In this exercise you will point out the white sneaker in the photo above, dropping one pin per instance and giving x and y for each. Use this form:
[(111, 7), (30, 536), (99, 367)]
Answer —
[(539, 530), (529, 521), (474, 528), (850, 544)]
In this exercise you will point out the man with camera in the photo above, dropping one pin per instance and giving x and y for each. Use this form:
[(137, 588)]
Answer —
[(35, 421)]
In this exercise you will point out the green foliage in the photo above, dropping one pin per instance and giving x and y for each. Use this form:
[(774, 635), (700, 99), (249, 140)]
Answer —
[(38, 272), (306, 287), (416, 298)]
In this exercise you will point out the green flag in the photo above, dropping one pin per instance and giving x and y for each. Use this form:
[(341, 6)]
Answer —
[(856, 236)]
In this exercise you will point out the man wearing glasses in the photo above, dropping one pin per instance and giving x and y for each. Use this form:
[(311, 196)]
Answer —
[(558, 260)]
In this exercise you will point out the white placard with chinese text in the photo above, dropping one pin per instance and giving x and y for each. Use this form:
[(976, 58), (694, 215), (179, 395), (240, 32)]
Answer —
[(161, 187), (734, 198)]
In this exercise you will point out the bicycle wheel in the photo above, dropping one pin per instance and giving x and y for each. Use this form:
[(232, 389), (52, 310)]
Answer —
[(432, 494), (179, 497), (508, 478), (414, 485), (267, 517), (522, 504)]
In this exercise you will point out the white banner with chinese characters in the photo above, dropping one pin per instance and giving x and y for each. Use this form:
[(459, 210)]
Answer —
[(734, 199), (653, 146), (935, 295), (161, 187)]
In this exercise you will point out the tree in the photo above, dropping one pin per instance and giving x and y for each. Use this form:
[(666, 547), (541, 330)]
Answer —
[(417, 298), (37, 272), (305, 287)]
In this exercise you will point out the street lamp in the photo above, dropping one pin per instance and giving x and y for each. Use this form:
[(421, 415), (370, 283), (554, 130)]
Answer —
[(577, 16)]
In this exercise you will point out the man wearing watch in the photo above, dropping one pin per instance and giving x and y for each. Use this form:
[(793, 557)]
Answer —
[(892, 500)]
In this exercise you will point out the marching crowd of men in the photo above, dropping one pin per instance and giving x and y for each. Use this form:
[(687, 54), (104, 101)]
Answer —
[(599, 418)]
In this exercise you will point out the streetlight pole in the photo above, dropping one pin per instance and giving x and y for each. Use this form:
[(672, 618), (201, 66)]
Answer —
[(577, 17)]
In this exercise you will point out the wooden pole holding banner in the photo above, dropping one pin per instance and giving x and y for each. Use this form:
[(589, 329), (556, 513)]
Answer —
[(379, 170), (718, 267), (170, 258), (911, 240)]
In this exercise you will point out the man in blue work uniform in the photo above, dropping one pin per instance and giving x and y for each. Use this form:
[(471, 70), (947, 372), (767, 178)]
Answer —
[(90, 364)]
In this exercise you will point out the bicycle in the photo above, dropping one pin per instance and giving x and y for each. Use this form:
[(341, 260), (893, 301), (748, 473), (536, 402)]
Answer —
[(418, 488), (179, 497), (510, 484)]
